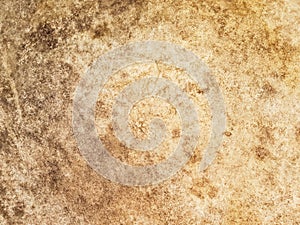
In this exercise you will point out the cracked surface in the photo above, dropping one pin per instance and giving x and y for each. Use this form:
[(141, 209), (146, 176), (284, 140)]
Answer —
[(251, 47)]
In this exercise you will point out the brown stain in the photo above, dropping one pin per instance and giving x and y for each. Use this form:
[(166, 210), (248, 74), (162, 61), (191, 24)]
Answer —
[(39, 97), (157, 203), (40, 114), (83, 198), (261, 153), (125, 154), (53, 176), (11, 209), (81, 18), (139, 127), (202, 188), (241, 212), (44, 37), (193, 88), (233, 20), (176, 133), (126, 17), (87, 194), (119, 7), (270, 179), (266, 131), (268, 89), (297, 134), (6, 95), (19, 209), (3, 198), (101, 31), (4, 213), (5, 141), (102, 110), (266, 135)]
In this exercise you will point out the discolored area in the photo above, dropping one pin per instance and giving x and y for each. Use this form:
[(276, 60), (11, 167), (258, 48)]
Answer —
[(252, 49)]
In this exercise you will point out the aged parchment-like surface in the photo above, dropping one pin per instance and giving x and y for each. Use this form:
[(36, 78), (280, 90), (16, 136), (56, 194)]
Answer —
[(251, 47)]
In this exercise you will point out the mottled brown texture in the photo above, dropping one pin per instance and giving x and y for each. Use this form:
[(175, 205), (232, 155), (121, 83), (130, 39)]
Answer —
[(251, 47)]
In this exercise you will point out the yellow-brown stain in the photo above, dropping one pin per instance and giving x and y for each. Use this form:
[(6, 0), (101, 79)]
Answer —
[(47, 45)]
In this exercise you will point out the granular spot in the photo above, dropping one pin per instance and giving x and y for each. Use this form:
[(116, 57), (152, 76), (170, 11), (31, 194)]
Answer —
[(102, 109), (197, 192), (101, 31), (212, 192), (266, 134), (241, 212), (175, 133), (297, 133), (233, 19), (83, 24), (268, 90), (193, 88), (82, 17), (4, 212), (81, 200), (19, 209), (66, 29), (196, 157), (261, 153), (118, 7), (2, 189), (53, 176), (5, 141), (269, 178), (44, 37), (6, 95), (129, 156), (202, 188)]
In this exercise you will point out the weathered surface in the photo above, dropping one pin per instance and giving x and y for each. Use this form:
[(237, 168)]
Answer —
[(251, 47)]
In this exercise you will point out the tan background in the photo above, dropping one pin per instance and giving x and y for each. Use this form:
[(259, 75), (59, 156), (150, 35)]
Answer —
[(251, 47)]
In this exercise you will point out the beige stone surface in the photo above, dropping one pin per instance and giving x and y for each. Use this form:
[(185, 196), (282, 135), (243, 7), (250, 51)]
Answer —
[(252, 49)]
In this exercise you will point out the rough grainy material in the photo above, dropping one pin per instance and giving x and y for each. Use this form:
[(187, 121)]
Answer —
[(253, 50)]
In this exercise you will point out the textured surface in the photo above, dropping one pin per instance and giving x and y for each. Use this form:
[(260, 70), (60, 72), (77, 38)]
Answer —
[(251, 47)]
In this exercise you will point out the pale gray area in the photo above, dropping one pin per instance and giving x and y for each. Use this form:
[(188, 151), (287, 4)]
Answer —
[(92, 82)]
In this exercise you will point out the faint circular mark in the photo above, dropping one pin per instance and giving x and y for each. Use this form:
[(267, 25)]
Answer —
[(93, 81)]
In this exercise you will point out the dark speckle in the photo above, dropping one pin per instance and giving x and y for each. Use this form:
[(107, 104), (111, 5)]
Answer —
[(6, 95), (202, 188), (19, 209), (268, 90), (2, 190), (122, 6), (44, 37), (261, 153), (175, 133), (101, 30), (54, 175), (266, 133), (297, 133), (83, 24), (5, 141), (3, 212)]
